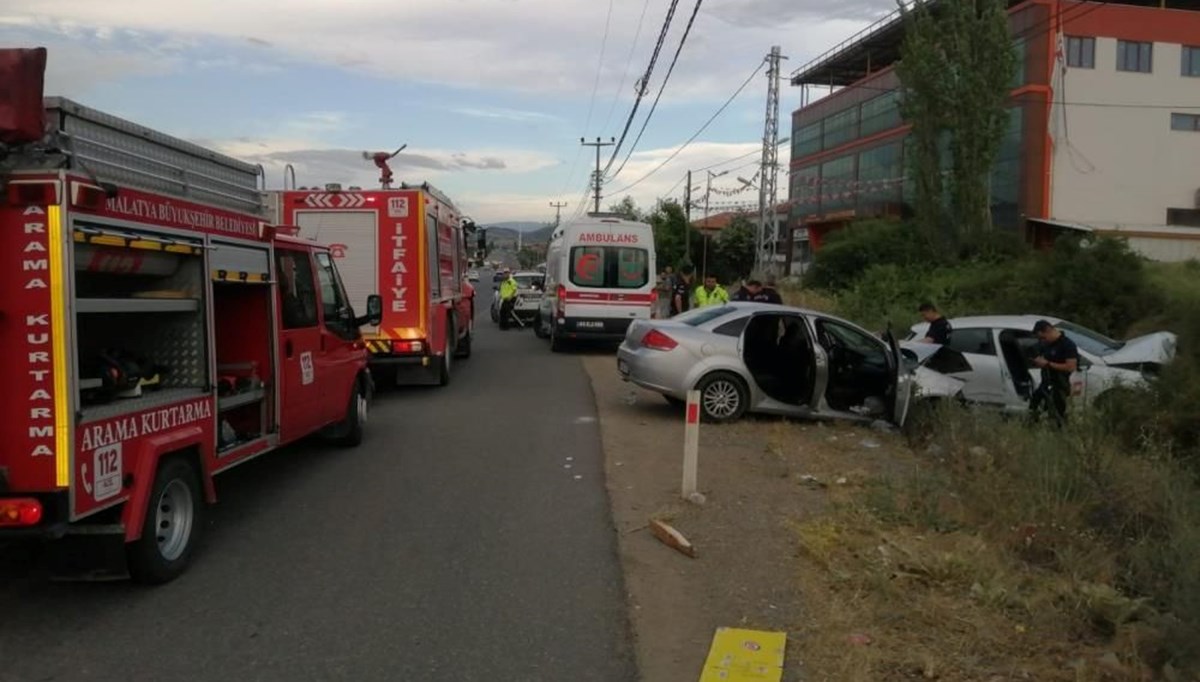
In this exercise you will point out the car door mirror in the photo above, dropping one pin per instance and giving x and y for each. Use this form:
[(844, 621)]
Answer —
[(374, 312)]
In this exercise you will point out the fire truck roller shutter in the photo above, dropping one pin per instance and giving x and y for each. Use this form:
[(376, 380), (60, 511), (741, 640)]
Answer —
[(353, 240), (228, 261)]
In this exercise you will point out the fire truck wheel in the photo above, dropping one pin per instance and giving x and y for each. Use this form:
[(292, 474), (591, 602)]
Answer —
[(447, 354), (464, 346), (349, 433), (174, 518)]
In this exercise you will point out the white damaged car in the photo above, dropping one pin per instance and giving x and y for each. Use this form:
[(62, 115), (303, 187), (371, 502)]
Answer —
[(1000, 351)]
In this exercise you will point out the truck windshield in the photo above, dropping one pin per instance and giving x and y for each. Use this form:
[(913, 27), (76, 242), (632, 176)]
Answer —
[(610, 267)]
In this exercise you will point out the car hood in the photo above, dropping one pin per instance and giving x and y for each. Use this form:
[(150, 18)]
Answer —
[(1158, 347), (931, 384)]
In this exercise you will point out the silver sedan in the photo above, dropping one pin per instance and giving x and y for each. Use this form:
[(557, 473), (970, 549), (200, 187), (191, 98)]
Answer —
[(757, 357)]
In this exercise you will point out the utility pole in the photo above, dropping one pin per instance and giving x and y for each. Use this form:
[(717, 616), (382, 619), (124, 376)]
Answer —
[(597, 176), (768, 198), (687, 216), (558, 207)]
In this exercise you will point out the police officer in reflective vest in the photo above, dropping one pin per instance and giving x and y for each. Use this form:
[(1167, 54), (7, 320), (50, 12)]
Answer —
[(710, 293), (508, 298)]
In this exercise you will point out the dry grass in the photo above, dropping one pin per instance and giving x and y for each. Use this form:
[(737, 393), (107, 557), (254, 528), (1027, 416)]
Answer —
[(977, 562)]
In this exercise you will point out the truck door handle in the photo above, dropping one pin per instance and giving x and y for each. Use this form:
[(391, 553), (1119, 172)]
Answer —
[(287, 348)]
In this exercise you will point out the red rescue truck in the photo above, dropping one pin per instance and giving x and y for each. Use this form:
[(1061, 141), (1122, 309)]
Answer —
[(157, 330), (408, 246)]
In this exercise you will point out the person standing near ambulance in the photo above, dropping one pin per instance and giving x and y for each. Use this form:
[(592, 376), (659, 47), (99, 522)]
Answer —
[(681, 292), (711, 293)]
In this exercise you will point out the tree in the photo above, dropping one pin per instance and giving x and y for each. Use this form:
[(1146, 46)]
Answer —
[(956, 70), (670, 227), (528, 258), (626, 208), (734, 252)]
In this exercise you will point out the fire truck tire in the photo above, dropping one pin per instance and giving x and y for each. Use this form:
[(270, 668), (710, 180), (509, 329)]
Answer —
[(464, 346), (447, 355), (349, 433), (174, 519)]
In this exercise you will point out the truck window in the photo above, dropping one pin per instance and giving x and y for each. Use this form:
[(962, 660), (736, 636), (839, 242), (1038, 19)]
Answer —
[(610, 267), (338, 312), (297, 291)]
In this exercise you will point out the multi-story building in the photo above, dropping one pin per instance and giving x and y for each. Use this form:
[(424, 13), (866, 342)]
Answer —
[(1104, 128)]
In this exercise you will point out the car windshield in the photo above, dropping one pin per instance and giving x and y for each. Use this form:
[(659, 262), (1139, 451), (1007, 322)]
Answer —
[(529, 281), (1090, 341), (699, 316)]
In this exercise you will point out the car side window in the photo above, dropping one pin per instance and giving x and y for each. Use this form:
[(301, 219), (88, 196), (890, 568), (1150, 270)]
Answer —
[(297, 290), (975, 341), (339, 315), (733, 327)]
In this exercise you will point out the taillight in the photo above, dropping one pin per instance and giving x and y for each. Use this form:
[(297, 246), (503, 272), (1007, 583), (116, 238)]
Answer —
[(23, 511), (407, 346), (560, 295), (656, 340)]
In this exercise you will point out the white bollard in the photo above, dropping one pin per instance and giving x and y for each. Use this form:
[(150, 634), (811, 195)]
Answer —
[(691, 444)]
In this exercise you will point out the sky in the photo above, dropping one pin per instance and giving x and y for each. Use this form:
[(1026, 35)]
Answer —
[(491, 96)]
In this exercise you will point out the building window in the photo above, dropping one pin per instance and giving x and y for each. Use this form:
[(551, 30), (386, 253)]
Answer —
[(1136, 57), (880, 113), (1191, 61), (1189, 122), (808, 140), (1081, 52), (880, 173), (841, 127), (836, 188)]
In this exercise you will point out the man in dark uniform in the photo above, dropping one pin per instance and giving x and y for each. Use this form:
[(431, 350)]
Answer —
[(681, 292), (754, 291), (939, 327), (1058, 358)]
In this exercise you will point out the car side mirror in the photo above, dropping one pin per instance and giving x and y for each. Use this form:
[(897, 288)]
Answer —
[(374, 312)]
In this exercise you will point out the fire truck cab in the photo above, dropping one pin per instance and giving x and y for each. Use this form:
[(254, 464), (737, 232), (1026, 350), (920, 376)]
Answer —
[(158, 331)]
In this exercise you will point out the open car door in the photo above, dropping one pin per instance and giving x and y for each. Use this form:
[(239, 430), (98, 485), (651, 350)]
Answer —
[(902, 381)]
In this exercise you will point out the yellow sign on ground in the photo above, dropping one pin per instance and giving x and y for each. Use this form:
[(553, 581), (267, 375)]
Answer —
[(745, 656)]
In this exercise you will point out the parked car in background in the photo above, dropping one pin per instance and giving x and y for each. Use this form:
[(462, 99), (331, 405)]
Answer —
[(757, 357), (1000, 350), (530, 287), (472, 276)]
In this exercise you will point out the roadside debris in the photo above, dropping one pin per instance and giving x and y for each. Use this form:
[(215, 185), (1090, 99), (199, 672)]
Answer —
[(742, 655), (672, 538)]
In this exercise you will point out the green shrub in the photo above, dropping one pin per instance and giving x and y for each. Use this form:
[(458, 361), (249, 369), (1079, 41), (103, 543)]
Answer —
[(847, 253)]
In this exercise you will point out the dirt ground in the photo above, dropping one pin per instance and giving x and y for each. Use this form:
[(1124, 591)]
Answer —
[(758, 478)]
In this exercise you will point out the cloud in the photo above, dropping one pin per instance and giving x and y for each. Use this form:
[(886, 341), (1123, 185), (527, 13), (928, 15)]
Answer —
[(504, 114), (543, 46)]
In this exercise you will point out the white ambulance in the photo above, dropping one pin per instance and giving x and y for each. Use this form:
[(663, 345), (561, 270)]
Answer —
[(600, 277)]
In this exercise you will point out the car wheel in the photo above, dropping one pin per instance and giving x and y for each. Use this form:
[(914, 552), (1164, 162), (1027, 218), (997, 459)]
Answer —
[(539, 327), (495, 315), (174, 518), (723, 397)]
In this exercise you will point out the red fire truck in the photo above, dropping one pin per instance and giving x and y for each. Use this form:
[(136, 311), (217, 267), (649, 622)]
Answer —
[(158, 331), (408, 246)]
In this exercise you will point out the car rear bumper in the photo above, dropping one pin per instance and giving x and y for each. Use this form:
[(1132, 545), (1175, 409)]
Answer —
[(637, 367)]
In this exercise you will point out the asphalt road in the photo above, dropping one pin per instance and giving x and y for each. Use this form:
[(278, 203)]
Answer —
[(454, 544)]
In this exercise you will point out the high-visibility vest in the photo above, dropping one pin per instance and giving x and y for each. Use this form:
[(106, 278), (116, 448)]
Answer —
[(718, 295), (508, 288)]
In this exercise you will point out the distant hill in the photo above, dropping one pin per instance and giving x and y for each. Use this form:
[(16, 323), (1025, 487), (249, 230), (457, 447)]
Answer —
[(531, 233)]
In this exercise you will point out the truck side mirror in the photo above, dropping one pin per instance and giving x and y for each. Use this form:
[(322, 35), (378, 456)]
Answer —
[(374, 312)]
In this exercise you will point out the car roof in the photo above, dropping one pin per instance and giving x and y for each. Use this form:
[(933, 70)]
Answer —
[(752, 307), (997, 321), (531, 273)]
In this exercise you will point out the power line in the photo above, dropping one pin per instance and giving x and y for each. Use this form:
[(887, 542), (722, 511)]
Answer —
[(595, 89), (678, 49), (691, 139), (628, 62), (644, 83)]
